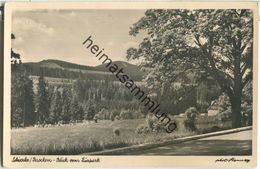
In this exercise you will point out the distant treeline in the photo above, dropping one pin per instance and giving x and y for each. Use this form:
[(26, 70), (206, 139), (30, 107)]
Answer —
[(72, 72), (88, 99), (64, 104), (68, 64)]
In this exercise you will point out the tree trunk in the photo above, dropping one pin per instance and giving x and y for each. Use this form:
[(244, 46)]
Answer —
[(237, 90), (236, 102), (236, 112)]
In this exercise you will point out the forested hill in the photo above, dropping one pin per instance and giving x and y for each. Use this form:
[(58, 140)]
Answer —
[(130, 69), (62, 69), (51, 63)]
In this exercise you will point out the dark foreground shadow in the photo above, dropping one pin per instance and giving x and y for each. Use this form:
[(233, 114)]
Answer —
[(202, 147)]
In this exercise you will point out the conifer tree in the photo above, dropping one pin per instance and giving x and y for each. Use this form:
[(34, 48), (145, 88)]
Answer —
[(66, 100), (22, 106), (77, 112), (55, 108), (22, 95), (89, 110), (42, 101)]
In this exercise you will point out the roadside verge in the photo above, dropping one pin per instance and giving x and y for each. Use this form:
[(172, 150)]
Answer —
[(123, 150)]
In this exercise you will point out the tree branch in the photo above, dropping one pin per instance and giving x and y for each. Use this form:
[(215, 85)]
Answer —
[(247, 79), (244, 67), (215, 72)]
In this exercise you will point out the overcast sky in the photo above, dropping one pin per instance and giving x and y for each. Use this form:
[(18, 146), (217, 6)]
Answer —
[(55, 34)]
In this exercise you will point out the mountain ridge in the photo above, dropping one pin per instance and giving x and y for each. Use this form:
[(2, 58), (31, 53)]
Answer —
[(50, 64), (61, 63)]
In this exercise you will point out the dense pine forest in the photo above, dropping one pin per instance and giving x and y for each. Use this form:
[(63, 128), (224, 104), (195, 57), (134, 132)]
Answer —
[(86, 97), (50, 104)]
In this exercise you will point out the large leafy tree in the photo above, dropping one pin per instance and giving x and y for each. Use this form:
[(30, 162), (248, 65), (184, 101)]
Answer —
[(217, 43)]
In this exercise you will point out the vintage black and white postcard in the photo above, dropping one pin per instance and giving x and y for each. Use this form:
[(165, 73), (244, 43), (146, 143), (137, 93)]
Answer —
[(156, 84)]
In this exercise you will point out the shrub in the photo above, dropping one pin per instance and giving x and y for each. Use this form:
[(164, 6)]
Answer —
[(247, 114), (158, 126), (137, 114), (223, 102), (189, 122), (89, 111), (150, 120), (117, 117), (126, 114), (112, 118), (116, 132), (215, 128), (113, 114), (225, 115), (152, 125), (191, 113), (143, 129), (95, 119), (211, 129), (104, 114)]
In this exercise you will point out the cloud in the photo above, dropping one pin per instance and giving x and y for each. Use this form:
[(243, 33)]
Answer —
[(24, 25), (58, 34)]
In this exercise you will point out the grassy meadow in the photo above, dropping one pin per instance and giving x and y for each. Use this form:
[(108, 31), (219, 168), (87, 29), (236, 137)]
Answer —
[(84, 137)]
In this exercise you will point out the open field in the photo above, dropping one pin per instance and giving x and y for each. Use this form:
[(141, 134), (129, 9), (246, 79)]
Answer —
[(90, 137), (82, 138)]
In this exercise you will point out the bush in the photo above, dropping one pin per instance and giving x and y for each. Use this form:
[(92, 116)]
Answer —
[(191, 113), (113, 114), (223, 102), (95, 119), (112, 118), (247, 114), (150, 120), (126, 114), (158, 126), (155, 124), (189, 122), (225, 115), (117, 117), (137, 114), (89, 111), (143, 129), (152, 125), (116, 132), (103, 114)]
